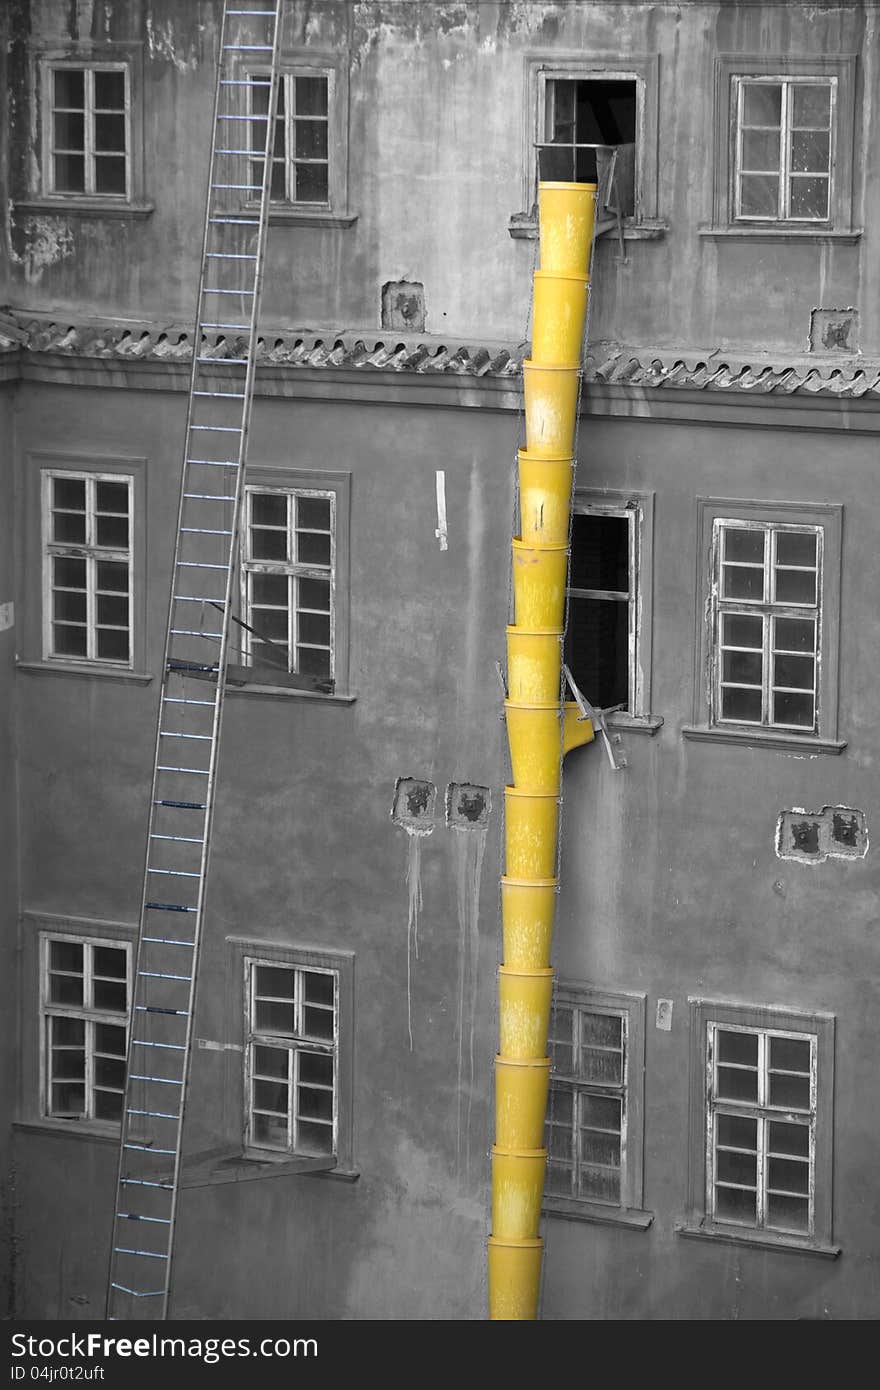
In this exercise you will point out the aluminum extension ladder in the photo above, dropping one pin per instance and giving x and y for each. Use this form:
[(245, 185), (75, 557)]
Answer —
[(194, 665)]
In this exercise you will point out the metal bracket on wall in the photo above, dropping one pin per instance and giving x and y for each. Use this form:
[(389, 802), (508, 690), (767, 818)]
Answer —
[(612, 742)]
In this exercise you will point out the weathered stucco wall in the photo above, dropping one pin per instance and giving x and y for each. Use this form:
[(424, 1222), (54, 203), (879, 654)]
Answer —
[(439, 127)]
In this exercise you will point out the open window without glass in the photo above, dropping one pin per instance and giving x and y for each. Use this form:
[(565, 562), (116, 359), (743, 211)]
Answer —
[(600, 637)]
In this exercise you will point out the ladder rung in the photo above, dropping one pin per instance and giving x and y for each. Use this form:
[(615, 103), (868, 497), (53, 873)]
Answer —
[(206, 289), (154, 1009), (194, 632), (210, 496), (240, 187), (247, 48), (250, 154), (136, 1216), (268, 13), (216, 463), (164, 975), (229, 256), (174, 873), (137, 1293), (243, 327), (143, 1182), (238, 81), (168, 907), (190, 771), (205, 530), (148, 1254), (185, 839), (154, 1114), (200, 565), (165, 1080), (219, 429), (165, 941), (184, 805), (234, 222), (148, 1148), (218, 396), (179, 699), (166, 733), (142, 1042)]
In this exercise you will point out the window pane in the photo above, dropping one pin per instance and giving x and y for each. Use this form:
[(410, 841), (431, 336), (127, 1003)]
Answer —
[(760, 151), (316, 1068), (810, 151), (277, 982), (269, 589), (112, 497), (110, 1071), (762, 103), (311, 140), (110, 91), (788, 1175), (790, 1054), (270, 623), (788, 1213), (791, 1092), (68, 1098), (69, 528), (797, 710), (313, 513), (68, 1064), (742, 706), (602, 1068), (272, 1017), (735, 1084), (739, 630), (600, 552), (796, 671), (70, 87), (69, 573), (69, 493), (318, 988), (112, 575), (743, 667), (66, 955), (600, 1112), (269, 509), (70, 173), (795, 586), (113, 610), (759, 195), (259, 95), (600, 1148), (745, 547), (110, 995), (735, 1204), (271, 1061), (68, 606), (270, 1130), (315, 594), (312, 661), (795, 548), (69, 130), (70, 1031), (69, 641), (794, 635), (597, 649), (560, 1112), (110, 961), (811, 105), (737, 1047), (110, 1038), (599, 1184), (312, 1138), (312, 548), (558, 1180), (741, 583), (271, 1095), (315, 627), (311, 183), (601, 1029), (314, 1104), (311, 96), (110, 174), (108, 1105), (268, 545), (739, 1168), (560, 1042), (112, 646), (737, 1132), (809, 198), (789, 1139), (318, 1023), (110, 134)]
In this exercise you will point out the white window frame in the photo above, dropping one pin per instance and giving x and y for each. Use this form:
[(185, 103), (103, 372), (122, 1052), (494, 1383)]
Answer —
[(91, 553), (287, 79), (88, 67), (293, 570), (87, 1012), (630, 1009), (706, 1017), (769, 610), (295, 1044), (785, 174)]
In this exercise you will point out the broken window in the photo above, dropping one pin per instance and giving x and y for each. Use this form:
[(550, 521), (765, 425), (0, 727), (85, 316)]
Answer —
[(582, 118), (594, 1110), (87, 566), (88, 130), (84, 1006), (783, 157), (288, 574), (600, 636), (767, 599), (301, 146), (292, 1058)]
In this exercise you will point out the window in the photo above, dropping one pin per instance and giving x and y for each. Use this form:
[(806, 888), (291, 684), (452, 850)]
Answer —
[(580, 114), (608, 622), (301, 150), (84, 1007), (292, 1058), (768, 624), (87, 566), (595, 1107), (288, 575), (89, 136), (769, 581), (762, 1082), (784, 132)]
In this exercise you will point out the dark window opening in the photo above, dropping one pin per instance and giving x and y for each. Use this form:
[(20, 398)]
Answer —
[(597, 637), (581, 115)]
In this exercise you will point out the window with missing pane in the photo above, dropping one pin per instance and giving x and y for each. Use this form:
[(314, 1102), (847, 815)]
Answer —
[(292, 1058), (762, 1128), (89, 130), (581, 114), (784, 148), (600, 637), (87, 566), (288, 570), (84, 1004), (767, 621), (301, 145)]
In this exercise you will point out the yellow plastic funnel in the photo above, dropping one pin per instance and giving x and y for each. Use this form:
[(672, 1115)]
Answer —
[(539, 575), (559, 313), (524, 1011), (550, 392), (534, 733), (514, 1279), (534, 663), (517, 1188), (530, 824), (544, 498), (527, 909), (520, 1101), (566, 214)]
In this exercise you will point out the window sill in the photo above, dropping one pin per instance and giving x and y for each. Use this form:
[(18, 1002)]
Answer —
[(761, 1240), (779, 232), (235, 686), (754, 738), (215, 1168), (567, 1209), (304, 217), (524, 227), (74, 206), (634, 723), (71, 1129), (73, 668)]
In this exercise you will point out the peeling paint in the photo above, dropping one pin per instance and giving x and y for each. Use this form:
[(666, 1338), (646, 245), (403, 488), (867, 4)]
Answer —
[(43, 242), (163, 46)]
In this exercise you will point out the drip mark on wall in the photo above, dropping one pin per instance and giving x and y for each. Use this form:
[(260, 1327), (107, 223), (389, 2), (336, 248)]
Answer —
[(467, 813), (413, 810), (440, 531)]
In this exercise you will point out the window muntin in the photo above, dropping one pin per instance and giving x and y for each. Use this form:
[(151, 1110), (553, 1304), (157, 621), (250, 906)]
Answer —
[(587, 1111), (761, 1128), (288, 571), (301, 146), (602, 612), (784, 138), (292, 1058), (87, 566), (84, 990), (767, 624), (89, 130)]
